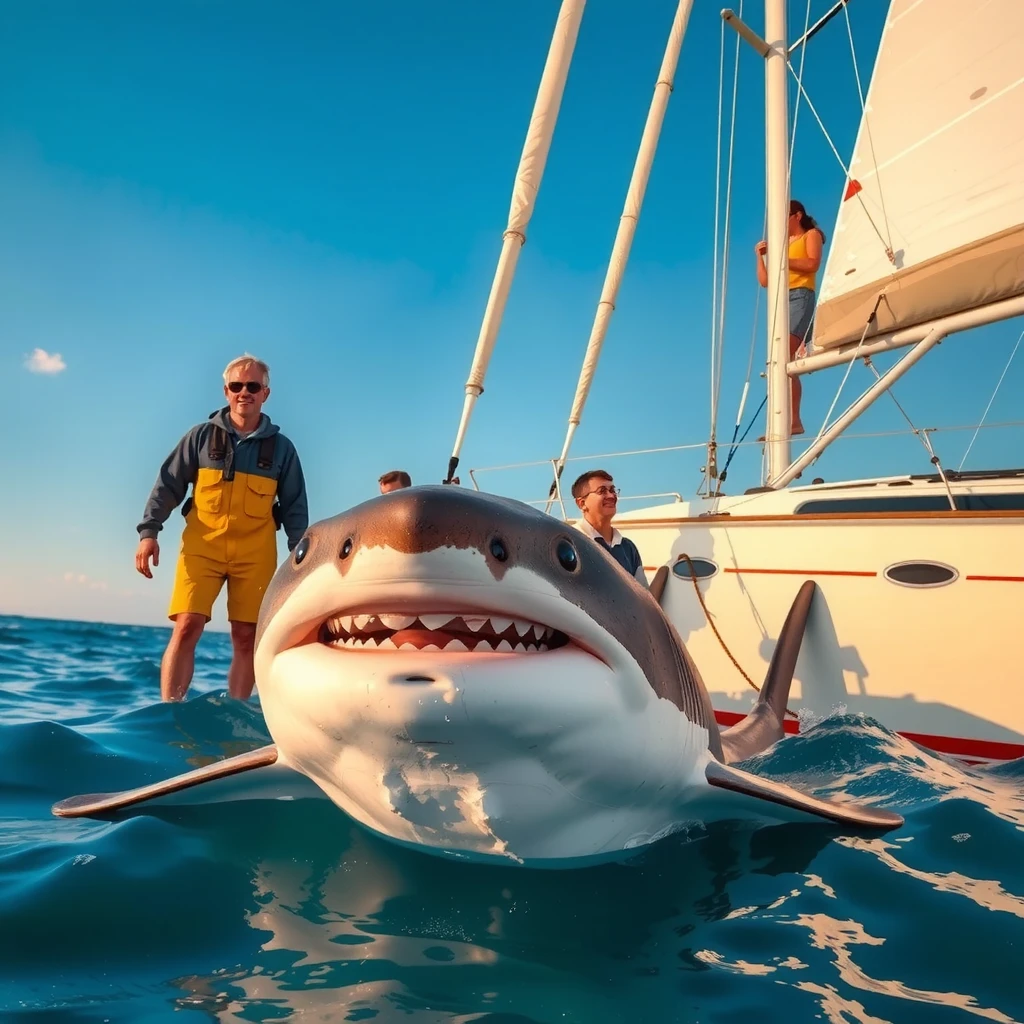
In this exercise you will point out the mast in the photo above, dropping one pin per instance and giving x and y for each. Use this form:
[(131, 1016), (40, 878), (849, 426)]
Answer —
[(524, 195), (777, 262), (627, 227)]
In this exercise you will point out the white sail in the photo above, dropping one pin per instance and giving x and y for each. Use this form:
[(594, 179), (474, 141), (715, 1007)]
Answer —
[(937, 224)]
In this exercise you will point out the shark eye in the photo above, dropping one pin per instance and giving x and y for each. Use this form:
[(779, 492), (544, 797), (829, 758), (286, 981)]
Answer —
[(300, 550), (566, 555), (499, 550), (346, 548)]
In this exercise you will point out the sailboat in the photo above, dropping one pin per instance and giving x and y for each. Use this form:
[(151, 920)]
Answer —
[(917, 623)]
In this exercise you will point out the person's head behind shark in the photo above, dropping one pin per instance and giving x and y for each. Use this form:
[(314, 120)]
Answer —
[(394, 480)]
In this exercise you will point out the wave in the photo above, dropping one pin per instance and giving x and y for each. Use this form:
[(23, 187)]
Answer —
[(264, 909)]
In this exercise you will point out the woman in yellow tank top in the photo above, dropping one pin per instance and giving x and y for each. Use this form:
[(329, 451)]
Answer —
[(806, 241)]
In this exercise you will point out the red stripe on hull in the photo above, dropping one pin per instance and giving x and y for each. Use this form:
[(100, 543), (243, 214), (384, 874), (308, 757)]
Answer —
[(731, 718), (805, 572), (958, 746), (841, 572)]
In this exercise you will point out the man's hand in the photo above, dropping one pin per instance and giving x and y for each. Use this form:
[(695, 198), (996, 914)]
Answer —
[(147, 549), (761, 248)]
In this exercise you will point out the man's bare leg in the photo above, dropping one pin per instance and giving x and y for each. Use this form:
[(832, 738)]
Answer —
[(241, 675), (179, 659)]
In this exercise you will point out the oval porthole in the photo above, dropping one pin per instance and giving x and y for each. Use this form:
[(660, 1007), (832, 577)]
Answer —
[(920, 574), (703, 568)]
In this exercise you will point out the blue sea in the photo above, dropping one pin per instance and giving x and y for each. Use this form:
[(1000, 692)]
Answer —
[(287, 911)]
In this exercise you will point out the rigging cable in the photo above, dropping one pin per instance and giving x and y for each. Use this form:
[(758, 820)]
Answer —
[(887, 241), (922, 435), (757, 295), (717, 369), (718, 206), (849, 366), (718, 303), (846, 171), (990, 401)]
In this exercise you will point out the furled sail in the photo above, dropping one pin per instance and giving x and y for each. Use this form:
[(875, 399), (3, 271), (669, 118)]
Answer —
[(932, 218)]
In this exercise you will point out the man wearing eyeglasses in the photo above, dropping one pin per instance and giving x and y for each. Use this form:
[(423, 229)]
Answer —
[(246, 482), (598, 499)]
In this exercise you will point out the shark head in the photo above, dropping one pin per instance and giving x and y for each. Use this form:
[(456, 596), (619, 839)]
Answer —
[(460, 671)]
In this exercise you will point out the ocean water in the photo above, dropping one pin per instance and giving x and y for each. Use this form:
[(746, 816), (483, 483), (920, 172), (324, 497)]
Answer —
[(287, 911)]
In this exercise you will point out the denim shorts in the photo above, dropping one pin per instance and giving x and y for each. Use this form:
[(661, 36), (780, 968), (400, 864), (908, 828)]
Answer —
[(801, 313)]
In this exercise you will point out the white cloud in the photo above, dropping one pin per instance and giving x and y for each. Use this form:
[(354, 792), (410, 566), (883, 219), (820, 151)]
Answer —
[(82, 580), (42, 361)]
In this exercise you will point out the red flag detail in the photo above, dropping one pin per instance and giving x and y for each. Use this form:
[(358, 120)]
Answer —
[(852, 189)]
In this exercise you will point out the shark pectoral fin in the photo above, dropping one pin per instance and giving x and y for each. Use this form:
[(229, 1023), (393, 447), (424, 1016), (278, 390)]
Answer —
[(726, 777), (96, 804)]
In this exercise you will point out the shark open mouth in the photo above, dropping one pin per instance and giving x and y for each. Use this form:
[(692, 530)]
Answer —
[(450, 632)]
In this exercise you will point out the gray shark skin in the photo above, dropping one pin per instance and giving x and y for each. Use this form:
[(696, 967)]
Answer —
[(438, 542)]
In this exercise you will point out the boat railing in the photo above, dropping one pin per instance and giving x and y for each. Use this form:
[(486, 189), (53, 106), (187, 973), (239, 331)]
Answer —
[(539, 473), (540, 502)]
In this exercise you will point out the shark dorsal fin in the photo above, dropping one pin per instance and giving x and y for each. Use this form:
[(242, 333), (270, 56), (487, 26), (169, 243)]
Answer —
[(763, 726)]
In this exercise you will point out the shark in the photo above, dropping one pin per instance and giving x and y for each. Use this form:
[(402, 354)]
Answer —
[(466, 675)]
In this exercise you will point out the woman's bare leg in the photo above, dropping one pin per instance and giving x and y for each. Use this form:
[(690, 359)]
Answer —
[(796, 388)]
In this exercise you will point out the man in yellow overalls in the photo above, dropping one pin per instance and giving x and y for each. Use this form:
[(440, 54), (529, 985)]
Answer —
[(238, 463)]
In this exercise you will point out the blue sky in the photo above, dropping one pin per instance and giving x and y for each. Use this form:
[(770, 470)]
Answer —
[(326, 186)]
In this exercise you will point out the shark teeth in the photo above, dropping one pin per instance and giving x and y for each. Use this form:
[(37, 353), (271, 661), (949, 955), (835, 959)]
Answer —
[(434, 622), (396, 622), (450, 632)]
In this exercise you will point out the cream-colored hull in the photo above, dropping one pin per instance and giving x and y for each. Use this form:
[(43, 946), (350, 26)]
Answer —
[(943, 664)]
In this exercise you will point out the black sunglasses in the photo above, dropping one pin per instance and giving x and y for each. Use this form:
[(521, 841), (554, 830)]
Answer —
[(250, 385)]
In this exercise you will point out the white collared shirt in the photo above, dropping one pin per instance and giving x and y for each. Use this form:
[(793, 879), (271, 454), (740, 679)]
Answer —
[(585, 527)]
